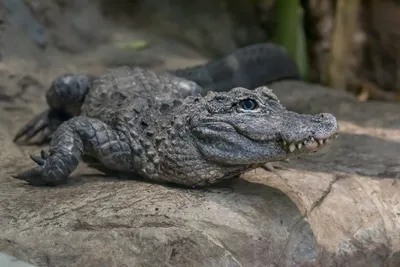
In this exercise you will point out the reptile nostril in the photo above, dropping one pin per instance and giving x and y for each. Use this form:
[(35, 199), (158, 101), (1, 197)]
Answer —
[(324, 116)]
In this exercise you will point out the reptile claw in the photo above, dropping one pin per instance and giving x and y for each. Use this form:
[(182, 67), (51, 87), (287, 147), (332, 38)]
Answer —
[(33, 176), (41, 127), (269, 167), (42, 159), (33, 127), (36, 175), (48, 173), (39, 160)]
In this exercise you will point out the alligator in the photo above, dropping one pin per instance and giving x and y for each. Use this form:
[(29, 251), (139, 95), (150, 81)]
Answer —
[(193, 127)]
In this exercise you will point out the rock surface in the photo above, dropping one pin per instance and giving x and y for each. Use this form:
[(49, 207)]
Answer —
[(339, 207), (348, 195)]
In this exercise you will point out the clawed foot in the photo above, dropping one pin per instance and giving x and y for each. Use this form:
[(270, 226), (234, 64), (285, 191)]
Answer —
[(42, 126), (271, 168), (37, 175)]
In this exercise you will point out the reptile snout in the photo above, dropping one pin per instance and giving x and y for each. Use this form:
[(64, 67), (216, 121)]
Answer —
[(326, 126), (325, 117), (307, 133)]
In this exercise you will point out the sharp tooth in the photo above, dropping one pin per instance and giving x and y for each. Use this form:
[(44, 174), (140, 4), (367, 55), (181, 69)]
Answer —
[(299, 145), (284, 143), (292, 147), (320, 142), (312, 139)]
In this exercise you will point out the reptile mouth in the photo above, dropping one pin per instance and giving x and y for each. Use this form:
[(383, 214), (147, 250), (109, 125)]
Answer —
[(308, 145)]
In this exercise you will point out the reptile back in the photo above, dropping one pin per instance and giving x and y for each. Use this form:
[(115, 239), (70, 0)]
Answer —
[(248, 67), (133, 86)]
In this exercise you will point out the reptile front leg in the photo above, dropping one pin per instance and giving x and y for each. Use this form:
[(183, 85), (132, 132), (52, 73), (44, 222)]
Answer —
[(73, 139)]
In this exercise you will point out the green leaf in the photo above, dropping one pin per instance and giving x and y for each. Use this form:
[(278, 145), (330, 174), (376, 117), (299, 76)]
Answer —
[(136, 45), (290, 32)]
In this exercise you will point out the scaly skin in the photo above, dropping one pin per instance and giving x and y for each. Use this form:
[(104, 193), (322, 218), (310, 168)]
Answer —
[(249, 67), (170, 129)]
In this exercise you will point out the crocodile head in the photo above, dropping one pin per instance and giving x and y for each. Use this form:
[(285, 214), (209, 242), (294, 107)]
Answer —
[(250, 127)]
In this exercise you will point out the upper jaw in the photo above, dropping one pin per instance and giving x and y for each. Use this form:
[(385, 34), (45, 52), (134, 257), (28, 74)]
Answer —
[(309, 133)]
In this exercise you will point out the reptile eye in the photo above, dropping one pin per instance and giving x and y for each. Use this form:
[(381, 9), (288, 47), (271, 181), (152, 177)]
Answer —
[(248, 104)]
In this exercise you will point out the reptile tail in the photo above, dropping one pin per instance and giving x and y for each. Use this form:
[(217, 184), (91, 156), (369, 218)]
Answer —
[(248, 67)]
